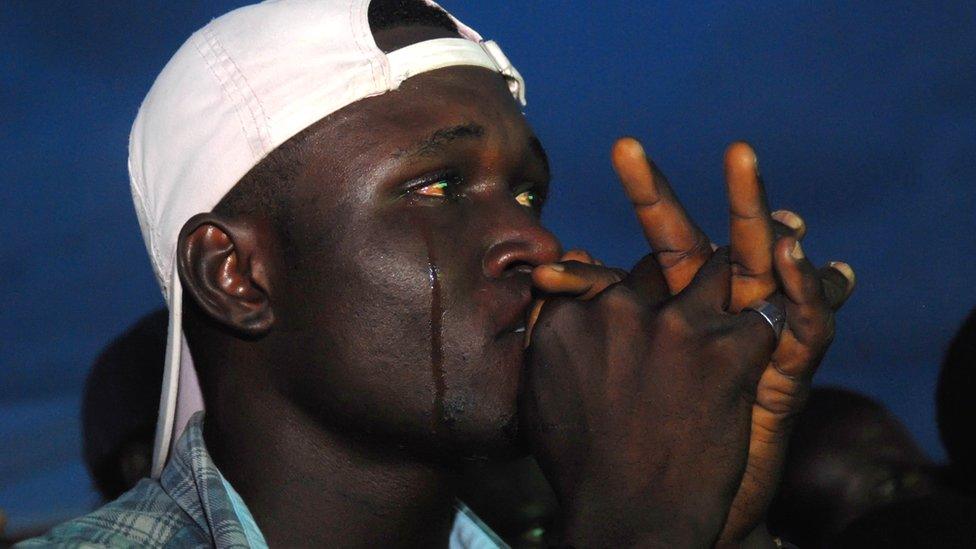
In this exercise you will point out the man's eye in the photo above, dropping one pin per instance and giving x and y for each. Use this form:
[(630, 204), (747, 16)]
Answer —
[(529, 199), (440, 189)]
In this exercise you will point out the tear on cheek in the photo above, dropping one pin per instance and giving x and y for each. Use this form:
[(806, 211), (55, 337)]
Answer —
[(436, 329)]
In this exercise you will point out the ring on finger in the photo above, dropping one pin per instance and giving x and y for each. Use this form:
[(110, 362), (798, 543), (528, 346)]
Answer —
[(772, 314)]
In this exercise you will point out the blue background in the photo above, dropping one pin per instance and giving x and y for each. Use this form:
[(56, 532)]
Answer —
[(863, 114)]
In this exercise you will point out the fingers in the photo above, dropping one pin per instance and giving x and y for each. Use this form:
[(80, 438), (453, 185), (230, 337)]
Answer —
[(680, 247), (578, 274), (812, 297), (574, 278), (788, 223), (710, 288), (647, 280), (582, 256), (749, 337), (838, 282), (530, 322), (751, 329), (751, 228), (801, 282)]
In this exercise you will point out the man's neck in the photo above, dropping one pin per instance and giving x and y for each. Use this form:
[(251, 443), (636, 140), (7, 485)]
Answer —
[(306, 486)]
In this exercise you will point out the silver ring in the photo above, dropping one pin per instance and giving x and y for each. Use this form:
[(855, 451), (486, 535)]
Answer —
[(771, 313)]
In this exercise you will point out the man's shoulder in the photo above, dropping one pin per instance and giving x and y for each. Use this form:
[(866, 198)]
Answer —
[(145, 516)]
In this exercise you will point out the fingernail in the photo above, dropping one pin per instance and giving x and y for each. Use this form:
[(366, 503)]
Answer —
[(844, 269), (797, 251), (558, 267), (755, 158), (789, 219), (640, 148)]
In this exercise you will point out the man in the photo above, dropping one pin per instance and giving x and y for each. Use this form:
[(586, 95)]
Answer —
[(349, 195)]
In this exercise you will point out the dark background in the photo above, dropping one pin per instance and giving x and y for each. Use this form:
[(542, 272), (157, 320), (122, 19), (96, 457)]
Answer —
[(863, 114)]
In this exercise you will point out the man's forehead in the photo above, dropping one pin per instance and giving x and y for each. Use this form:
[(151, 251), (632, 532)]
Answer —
[(431, 112)]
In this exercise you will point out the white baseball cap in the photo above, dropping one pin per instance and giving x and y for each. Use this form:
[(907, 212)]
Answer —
[(238, 88)]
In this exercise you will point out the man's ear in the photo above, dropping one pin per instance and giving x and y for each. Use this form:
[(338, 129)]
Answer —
[(224, 268)]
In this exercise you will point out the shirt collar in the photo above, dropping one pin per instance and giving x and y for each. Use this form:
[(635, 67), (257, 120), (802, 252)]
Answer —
[(196, 485)]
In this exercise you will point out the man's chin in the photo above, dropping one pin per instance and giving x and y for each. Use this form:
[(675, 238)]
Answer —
[(502, 444)]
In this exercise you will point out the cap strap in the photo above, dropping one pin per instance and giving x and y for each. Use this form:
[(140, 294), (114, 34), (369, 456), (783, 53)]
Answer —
[(450, 52), (171, 376)]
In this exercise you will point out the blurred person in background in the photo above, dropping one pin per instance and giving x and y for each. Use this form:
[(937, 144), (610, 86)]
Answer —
[(943, 520), (847, 455), (120, 404), (956, 406)]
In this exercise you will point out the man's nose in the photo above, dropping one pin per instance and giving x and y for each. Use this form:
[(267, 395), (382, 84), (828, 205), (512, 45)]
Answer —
[(521, 244)]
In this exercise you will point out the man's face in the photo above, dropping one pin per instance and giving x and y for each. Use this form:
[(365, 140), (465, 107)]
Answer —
[(404, 274)]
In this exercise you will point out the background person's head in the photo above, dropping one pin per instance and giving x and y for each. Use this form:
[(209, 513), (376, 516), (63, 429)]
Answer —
[(956, 405), (373, 271), (119, 406), (942, 520), (847, 455)]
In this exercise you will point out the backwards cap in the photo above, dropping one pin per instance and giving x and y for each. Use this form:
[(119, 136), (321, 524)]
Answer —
[(237, 88)]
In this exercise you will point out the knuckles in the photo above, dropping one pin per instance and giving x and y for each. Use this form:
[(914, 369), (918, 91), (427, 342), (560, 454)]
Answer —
[(816, 328), (675, 322), (670, 258), (558, 315), (619, 301), (616, 306)]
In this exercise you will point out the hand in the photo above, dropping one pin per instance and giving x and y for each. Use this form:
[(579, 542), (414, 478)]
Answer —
[(682, 248), (637, 406), (576, 274)]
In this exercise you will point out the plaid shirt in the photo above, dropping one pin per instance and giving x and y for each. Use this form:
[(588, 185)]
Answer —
[(192, 505)]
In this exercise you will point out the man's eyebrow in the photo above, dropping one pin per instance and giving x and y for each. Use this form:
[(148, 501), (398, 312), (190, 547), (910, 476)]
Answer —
[(441, 137), (539, 151), (437, 140)]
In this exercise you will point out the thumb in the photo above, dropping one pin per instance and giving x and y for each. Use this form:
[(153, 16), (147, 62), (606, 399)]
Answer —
[(574, 278), (569, 278)]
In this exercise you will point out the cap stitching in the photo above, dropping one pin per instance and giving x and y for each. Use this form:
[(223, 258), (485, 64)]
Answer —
[(245, 98), (199, 46), (357, 14), (141, 204), (229, 88), (250, 97)]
